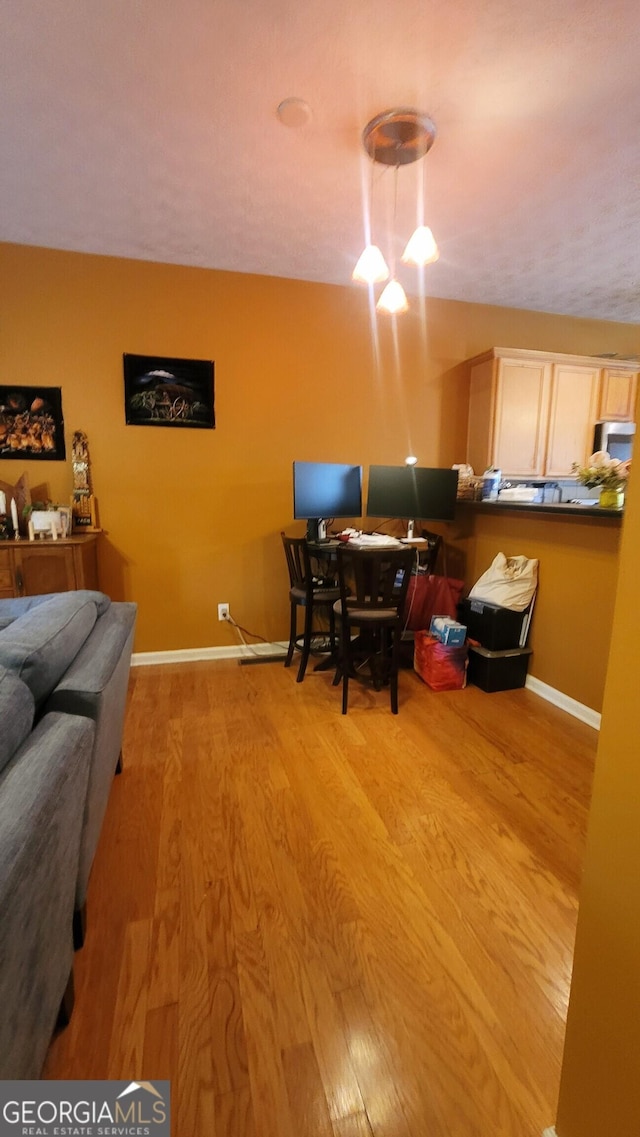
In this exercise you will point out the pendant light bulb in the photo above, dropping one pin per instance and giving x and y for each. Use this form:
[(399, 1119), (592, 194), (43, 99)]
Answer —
[(393, 299), (421, 247), (371, 267)]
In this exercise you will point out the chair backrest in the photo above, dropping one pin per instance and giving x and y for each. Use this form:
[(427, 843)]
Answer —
[(429, 558), (298, 561), (374, 579)]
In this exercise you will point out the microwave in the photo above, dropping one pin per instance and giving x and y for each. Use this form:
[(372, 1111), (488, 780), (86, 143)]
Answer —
[(616, 438)]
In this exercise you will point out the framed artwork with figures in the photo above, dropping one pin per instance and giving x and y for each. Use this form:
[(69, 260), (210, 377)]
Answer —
[(31, 423)]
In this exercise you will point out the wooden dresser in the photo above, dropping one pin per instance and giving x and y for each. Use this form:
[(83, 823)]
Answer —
[(29, 568)]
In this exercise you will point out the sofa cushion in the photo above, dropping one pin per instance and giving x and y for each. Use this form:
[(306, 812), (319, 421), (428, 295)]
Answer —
[(41, 644), (16, 714), (14, 607)]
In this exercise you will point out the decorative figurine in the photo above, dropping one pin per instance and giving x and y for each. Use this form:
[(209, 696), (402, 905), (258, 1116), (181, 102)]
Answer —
[(83, 510)]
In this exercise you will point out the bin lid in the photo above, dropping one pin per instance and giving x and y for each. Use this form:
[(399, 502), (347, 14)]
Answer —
[(499, 654)]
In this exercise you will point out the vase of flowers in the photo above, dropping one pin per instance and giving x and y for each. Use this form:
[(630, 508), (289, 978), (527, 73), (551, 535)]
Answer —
[(609, 474)]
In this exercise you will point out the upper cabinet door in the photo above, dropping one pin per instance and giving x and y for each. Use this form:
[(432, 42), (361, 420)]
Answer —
[(521, 416), (574, 403), (481, 415), (618, 395)]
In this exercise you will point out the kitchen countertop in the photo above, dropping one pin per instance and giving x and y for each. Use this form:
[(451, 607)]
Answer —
[(558, 509)]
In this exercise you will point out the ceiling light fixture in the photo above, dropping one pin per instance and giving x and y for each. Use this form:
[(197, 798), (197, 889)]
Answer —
[(393, 299), (396, 138), (371, 267)]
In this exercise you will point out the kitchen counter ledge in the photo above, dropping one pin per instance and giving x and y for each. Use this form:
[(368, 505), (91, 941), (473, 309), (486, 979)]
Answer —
[(559, 509)]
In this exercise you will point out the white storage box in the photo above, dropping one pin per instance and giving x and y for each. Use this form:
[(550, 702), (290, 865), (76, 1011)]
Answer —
[(448, 631)]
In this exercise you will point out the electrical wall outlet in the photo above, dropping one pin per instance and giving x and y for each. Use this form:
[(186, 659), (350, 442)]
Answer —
[(223, 611)]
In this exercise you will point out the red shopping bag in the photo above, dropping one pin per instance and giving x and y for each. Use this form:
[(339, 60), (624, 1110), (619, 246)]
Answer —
[(443, 668), (429, 596)]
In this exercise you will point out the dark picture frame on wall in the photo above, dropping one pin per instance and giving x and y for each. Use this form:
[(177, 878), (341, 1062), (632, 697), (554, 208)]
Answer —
[(162, 391), (31, 423)]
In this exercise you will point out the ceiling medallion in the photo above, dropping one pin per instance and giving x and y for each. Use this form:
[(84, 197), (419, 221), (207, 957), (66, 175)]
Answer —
[(398, 137)]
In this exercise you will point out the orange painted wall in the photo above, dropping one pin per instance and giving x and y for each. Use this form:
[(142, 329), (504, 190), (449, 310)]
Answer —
[(193, 517), (600, 1087), (573, 613)]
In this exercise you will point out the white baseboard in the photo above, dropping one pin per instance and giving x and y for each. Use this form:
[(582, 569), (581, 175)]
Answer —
[(549, 1132), (566, 703), (193, 654)]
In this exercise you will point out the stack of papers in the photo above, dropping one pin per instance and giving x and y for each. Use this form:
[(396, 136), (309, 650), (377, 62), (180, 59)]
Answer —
[(519, 493), (374, 541)]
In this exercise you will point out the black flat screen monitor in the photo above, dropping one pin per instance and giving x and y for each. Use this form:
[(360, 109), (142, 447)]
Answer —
[(325, 489), (412, 492)]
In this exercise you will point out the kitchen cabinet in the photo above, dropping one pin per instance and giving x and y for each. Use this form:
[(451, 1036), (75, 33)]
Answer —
[(532, 413), (30, 568), (508, 414), (618, 395), (573, 411)]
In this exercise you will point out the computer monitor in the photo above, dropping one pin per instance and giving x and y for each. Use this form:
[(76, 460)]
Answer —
[(412, 492), (323, 490)]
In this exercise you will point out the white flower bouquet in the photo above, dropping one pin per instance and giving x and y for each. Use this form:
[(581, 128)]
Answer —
[(603, 470)]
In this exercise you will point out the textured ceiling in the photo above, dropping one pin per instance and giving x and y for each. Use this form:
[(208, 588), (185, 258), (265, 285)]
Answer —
[(148, 129)]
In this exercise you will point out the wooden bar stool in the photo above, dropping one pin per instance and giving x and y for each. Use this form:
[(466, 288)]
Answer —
[(373, 587), (312, 594)]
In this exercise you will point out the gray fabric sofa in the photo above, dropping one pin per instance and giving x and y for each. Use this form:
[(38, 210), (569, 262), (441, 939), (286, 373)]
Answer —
[(44, 773), (64, 668)]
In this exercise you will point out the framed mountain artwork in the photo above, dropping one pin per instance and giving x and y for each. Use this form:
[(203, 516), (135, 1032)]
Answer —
[(162, 391)]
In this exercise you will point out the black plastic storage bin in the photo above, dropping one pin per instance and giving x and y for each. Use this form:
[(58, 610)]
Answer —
[(494, 627), (498, 670)]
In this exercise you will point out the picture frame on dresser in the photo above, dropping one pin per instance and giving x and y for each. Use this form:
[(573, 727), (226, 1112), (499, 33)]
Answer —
[(66, 519), (83, 513)]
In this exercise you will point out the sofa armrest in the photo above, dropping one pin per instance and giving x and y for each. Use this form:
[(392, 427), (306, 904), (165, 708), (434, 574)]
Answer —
[(79, 690), (95, 686)]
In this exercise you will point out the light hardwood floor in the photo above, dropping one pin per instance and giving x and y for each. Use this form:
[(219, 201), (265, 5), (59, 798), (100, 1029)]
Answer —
[(328, 926)]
